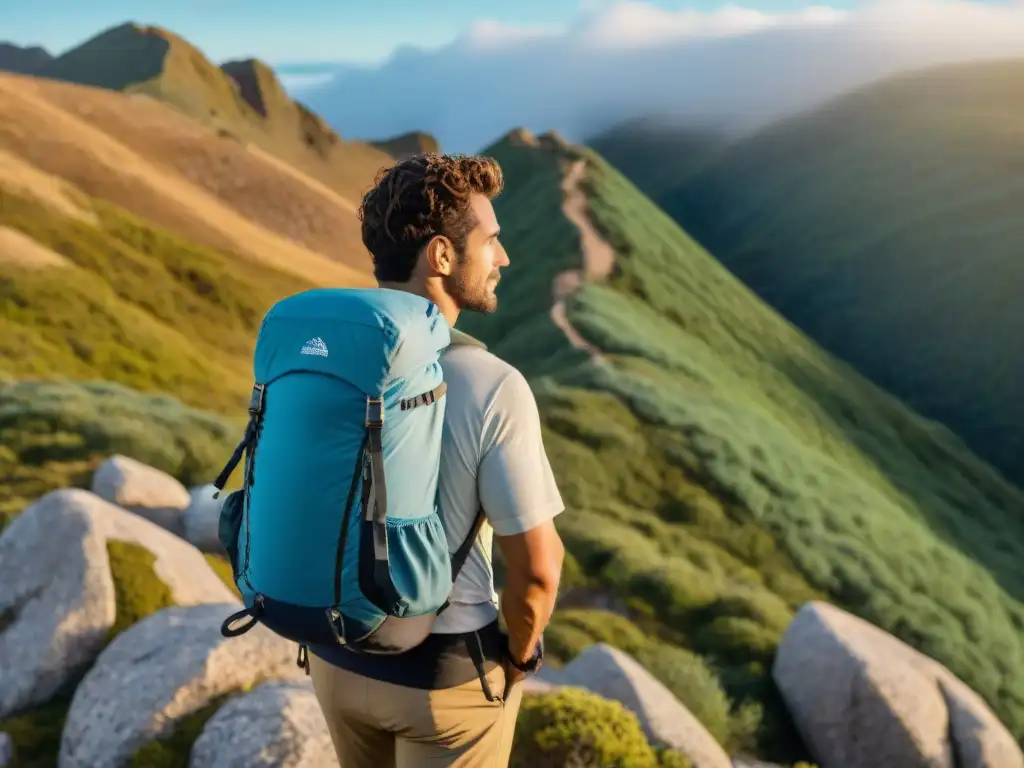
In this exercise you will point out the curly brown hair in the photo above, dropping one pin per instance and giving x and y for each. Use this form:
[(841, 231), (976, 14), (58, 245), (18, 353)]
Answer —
[(418, 198)]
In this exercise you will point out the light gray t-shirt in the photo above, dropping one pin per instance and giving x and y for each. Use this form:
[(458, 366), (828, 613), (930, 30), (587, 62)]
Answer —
[(492, 455)]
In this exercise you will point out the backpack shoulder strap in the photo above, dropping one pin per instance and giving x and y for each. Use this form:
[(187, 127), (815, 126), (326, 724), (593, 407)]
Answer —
[(461, 339), (462, 553)]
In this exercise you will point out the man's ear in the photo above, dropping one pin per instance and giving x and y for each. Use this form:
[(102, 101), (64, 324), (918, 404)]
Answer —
[(440, 255)]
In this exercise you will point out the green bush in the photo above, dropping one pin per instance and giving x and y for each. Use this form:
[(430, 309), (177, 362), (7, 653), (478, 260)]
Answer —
[(55, 434), (694, 684), (670, 758), (36, 734), (573, 629), (572, 728)]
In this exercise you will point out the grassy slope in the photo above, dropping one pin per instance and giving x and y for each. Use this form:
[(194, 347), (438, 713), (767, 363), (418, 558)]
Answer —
[(174, 172), (735, 470), (887, 226), (137, 307), (656, 154)]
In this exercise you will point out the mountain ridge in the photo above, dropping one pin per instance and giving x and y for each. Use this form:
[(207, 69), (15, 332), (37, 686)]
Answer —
[(150, 60)]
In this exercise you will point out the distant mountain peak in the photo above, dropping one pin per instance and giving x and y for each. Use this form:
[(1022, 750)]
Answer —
[(524, 137), (408, 144), (257, 83), (23, 60)]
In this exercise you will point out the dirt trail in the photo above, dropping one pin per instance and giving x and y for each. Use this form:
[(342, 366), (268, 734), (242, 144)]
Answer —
[(598, 258)]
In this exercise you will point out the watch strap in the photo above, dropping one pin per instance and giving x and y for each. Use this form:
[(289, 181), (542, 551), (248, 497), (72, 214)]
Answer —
[(534, 661)]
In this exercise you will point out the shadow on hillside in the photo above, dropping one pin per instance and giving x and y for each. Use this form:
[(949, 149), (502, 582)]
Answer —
[(964, 501)]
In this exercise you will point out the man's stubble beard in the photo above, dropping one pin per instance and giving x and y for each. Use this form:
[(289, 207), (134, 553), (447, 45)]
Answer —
[(471, 298)]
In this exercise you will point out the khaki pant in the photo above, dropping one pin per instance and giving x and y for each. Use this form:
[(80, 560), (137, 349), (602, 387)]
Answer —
[(374, 724)]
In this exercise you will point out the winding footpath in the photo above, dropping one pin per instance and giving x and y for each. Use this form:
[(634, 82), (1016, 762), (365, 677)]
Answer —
[(597, 256)]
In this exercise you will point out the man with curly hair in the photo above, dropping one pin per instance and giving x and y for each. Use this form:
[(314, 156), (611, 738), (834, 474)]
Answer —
[(431, 229)]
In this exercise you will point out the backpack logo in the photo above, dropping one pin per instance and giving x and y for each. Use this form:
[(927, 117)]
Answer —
[(315, 346)]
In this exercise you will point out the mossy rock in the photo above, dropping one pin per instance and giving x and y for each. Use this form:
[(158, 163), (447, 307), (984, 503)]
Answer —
[(138, 593), (572, 728)]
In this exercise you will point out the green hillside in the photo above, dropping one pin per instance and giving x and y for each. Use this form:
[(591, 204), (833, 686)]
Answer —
[(657, 153), (720, 469), (887, 226)]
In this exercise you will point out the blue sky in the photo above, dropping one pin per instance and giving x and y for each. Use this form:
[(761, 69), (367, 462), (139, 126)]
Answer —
[(284, 31)]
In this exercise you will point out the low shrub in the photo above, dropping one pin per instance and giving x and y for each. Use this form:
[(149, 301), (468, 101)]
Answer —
[(572, 728)]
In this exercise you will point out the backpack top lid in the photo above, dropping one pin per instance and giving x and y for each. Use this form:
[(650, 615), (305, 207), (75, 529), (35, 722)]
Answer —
[(369, 337)]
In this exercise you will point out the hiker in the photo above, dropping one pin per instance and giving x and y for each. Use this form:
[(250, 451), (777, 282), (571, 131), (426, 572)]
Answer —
[(453, 700)]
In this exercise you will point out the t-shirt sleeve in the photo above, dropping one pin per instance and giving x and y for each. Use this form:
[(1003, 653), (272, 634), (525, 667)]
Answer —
[(516, 485)]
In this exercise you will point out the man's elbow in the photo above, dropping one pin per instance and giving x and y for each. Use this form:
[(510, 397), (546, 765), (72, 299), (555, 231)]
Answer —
[(545, 571), (533, 559)]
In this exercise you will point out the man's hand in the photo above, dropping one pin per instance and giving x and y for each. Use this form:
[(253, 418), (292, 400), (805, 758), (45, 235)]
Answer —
[(512, 675), (532, 572)]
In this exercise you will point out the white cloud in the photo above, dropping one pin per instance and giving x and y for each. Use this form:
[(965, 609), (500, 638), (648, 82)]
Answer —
[(638, 25), (296, 84), (733, 66), (493, 35)]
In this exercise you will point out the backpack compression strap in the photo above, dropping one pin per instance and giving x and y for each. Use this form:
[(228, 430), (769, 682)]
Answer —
[(255, 412)]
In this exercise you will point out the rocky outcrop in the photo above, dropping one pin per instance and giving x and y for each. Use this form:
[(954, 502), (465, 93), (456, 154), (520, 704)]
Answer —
[(613, 674), (144, 490), (57, 604), (861, 697), (277, 725), (161, 669)]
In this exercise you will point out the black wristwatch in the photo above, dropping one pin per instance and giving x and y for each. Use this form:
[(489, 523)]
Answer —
[(533, 663)]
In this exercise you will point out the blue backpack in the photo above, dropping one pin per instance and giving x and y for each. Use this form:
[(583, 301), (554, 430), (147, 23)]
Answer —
[(334, 536)]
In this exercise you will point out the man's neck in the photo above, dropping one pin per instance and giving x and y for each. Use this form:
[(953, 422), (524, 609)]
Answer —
[(428, 290)]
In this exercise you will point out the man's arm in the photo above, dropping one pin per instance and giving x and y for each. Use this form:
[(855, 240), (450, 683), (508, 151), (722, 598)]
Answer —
[(521, 499), (533, 568)]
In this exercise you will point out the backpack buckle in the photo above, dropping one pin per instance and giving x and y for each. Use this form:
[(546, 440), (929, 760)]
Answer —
[(256, 400), (337, 624), (374, 413)]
